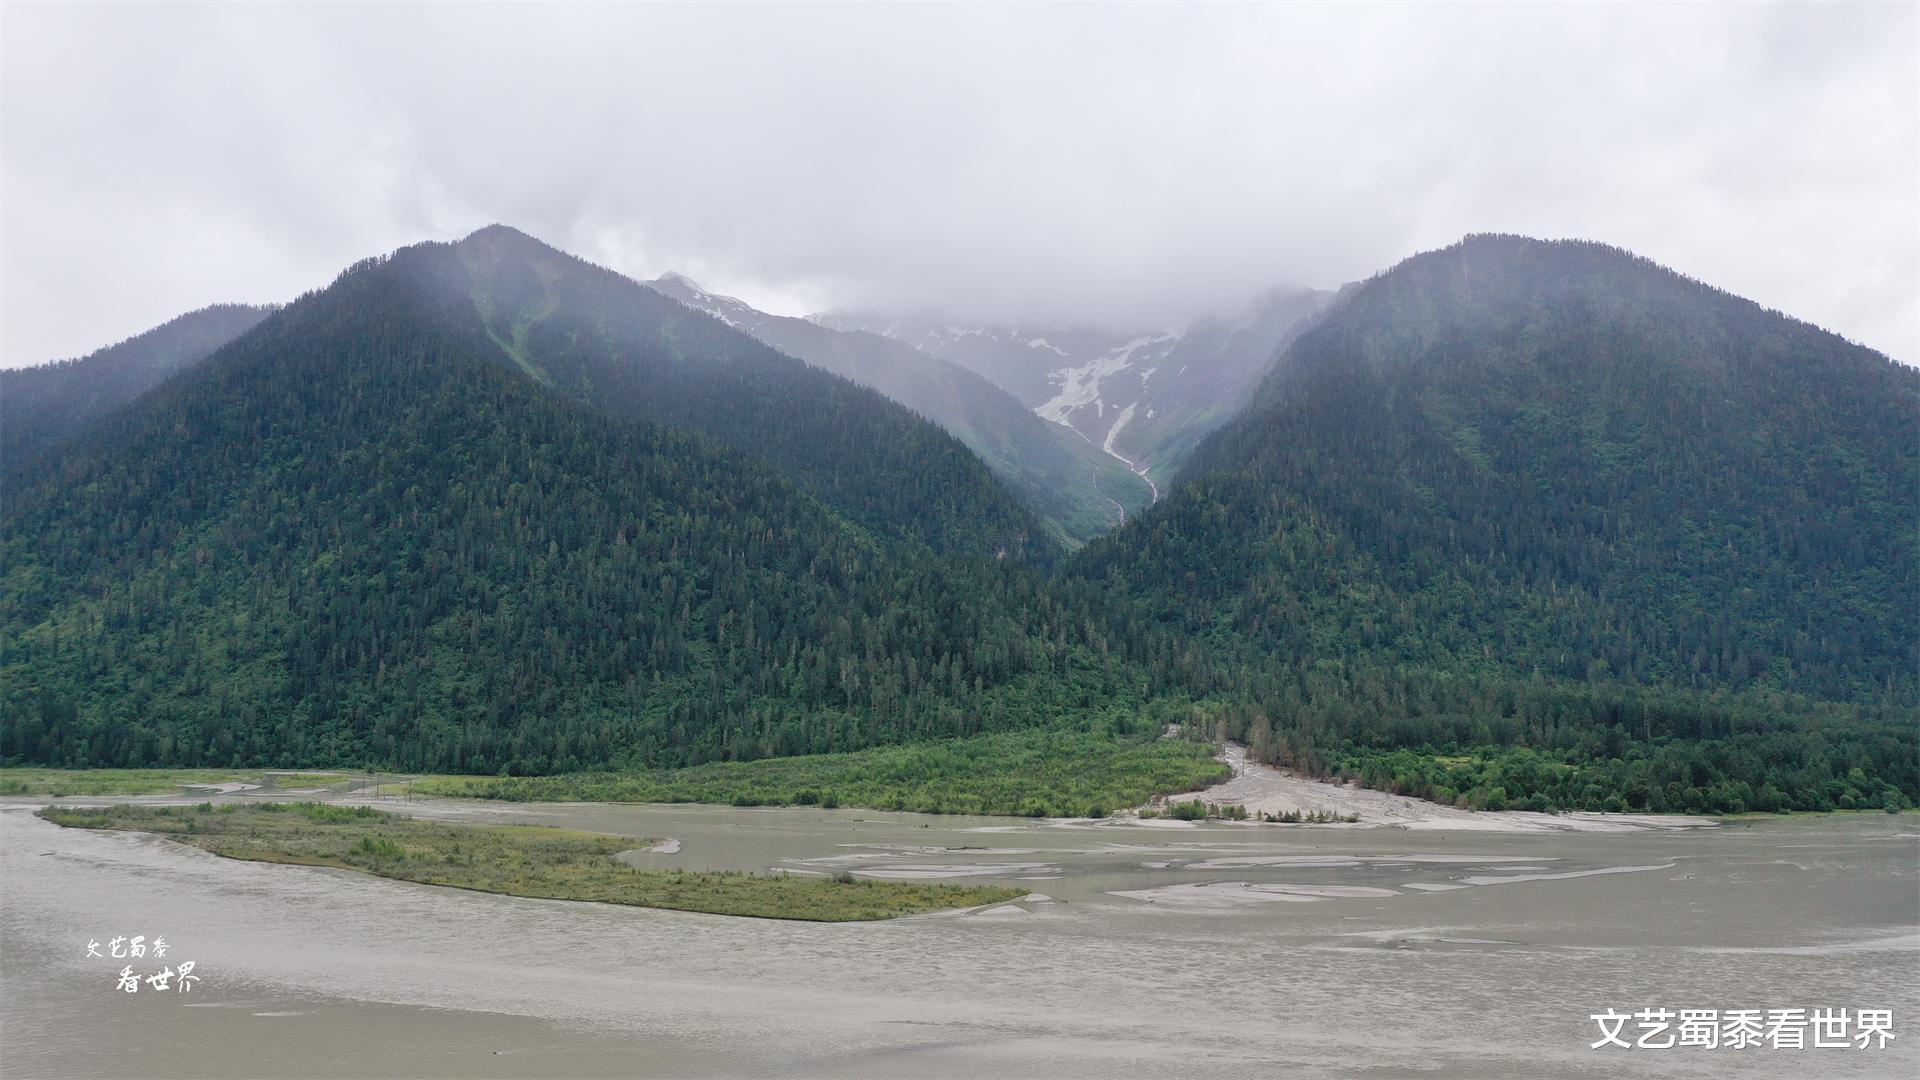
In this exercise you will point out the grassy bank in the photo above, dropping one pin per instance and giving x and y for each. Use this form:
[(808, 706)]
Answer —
[(1043, 773), (519, 860), (60, 782), (33, 781)]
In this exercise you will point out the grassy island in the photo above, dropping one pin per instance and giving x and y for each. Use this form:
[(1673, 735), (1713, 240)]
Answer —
[(519, 860)]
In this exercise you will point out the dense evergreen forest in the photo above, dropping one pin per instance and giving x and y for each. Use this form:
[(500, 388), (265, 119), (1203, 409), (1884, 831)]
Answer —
[(614, 343), (1521, 494), (1515, 524)]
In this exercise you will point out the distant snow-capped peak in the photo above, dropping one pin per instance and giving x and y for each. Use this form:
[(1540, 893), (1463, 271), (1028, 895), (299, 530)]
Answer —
[(734, 312)]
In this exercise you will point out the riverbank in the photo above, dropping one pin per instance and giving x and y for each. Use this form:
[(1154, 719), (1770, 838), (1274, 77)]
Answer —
[(516, 860), (64, 782), (1264, 790)]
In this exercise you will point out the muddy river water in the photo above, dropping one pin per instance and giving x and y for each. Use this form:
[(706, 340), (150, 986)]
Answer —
[(1146, 949)]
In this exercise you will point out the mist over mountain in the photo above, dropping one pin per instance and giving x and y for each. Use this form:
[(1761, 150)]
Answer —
[(1079, 490), (41, 406), (1144, 397), (607, 340)]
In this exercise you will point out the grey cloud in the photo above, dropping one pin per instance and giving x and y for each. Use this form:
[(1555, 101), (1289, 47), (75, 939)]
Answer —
[(1123, 165)]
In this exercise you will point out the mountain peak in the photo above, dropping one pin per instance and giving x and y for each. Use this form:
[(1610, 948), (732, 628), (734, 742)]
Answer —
[(734, 312), (497, 232), (680, 280), (497, 239)]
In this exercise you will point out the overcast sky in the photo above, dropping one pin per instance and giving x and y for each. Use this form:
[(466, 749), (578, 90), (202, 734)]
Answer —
[(1128, 165)]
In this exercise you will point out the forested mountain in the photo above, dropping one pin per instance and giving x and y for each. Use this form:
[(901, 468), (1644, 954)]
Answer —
[(40, 406), (423, 518), (1145, 397), (1075, 486), (1530, 493), (607, 340)]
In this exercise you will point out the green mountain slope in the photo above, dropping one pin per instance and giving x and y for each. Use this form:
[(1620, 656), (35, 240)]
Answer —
[(1078, 489), (42, 406), (1526, 492), (611, 342), (364, 532)]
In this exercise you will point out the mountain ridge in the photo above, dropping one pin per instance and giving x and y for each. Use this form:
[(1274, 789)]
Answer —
[(1529, 420), (43, 405), (1144, 397), (608, 340), (1074, 487)]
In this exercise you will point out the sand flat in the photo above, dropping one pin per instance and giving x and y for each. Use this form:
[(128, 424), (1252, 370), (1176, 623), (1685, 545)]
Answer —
[(1507, 879), (1226, 894), (1264, 789)]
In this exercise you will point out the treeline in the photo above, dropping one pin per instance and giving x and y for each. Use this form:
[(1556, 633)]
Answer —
[(1033, 773), (1534, 745), (1779, 771)]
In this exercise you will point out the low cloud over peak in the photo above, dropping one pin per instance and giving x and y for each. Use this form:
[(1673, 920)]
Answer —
[(1134, 165)]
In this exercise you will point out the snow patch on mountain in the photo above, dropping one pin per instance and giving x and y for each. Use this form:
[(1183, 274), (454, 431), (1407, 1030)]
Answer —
[(1080, 386), (1097, 380), (1113, 433), (734, 312)]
